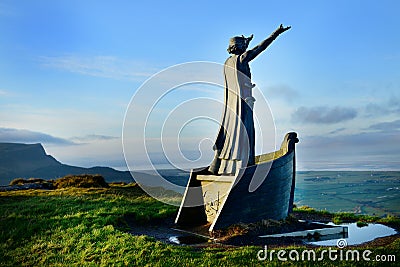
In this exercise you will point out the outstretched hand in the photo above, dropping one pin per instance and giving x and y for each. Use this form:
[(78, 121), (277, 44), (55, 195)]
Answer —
[(282, 29)]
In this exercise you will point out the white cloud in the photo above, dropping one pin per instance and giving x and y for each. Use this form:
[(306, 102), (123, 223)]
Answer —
[(338, 130), (386, 126), (324, 115), (390, 106), (10, 135), (93, 137), (100, 66)]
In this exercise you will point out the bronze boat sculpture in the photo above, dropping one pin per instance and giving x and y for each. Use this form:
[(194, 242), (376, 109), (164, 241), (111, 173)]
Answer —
[(226, 199)]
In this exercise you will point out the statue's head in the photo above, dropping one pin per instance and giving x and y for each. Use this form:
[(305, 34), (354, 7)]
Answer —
[(238, 44)]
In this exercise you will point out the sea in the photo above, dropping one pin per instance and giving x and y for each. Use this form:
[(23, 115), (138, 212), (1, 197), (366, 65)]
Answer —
[(361, 192)]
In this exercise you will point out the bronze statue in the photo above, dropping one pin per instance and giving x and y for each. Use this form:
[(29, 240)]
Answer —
[(235, 144)]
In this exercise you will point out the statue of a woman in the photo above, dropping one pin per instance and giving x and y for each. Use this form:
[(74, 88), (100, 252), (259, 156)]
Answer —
[(235, 144)]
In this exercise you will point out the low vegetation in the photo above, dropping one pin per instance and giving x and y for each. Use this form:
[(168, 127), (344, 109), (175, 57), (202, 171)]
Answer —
[(22, 181), (81, 181), (77, 181), (81, 226)]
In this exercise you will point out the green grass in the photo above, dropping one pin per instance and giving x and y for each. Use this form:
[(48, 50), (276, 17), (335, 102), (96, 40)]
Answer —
[(308, 209), (86, 227)]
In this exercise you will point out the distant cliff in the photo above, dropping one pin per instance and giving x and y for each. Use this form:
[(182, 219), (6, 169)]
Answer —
[(31, 160)]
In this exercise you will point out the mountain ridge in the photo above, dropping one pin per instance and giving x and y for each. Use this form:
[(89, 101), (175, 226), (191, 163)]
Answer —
[(18, 160)]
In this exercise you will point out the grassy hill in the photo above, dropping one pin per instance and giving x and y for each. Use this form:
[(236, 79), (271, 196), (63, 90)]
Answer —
[(89, 227)]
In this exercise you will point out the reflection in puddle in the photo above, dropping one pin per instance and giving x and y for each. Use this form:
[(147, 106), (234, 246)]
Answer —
[(358, 235), (187, 240)]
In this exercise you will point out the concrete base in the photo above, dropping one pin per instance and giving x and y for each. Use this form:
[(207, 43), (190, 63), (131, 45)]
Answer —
[(323, 233)]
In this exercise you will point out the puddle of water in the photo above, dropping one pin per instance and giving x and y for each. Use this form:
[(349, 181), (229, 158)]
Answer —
[(358, 235), (187, 240)]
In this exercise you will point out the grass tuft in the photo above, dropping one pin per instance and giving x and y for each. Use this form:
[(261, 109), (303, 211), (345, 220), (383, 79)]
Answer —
[(81, 181), (22, 181)]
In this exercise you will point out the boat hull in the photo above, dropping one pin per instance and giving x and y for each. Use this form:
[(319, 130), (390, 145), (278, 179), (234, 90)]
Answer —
[(262, 191)]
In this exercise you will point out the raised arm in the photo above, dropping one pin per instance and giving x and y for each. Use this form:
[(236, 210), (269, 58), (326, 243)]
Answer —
[(252, 53)]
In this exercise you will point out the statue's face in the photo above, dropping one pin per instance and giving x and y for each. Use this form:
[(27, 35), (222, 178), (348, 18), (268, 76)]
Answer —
[(240, 43), (241, 48)]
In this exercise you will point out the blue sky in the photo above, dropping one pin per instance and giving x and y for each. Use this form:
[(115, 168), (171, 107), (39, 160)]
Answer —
[(69, 69)]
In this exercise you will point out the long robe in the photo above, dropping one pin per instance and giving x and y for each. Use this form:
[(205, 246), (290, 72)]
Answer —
[(234, 146)]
